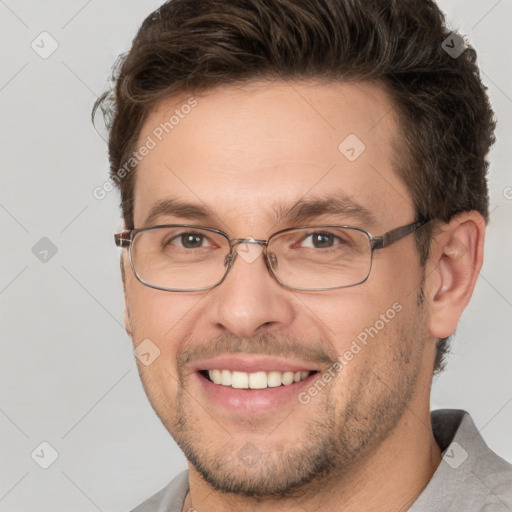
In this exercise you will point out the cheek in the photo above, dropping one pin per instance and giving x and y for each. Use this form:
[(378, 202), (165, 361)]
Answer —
[(385, 343), (159, 323), (165, 318), (364, 324), (396, 270), (343, 315)]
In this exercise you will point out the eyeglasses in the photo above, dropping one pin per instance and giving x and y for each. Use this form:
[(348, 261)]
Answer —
[(182, 257)]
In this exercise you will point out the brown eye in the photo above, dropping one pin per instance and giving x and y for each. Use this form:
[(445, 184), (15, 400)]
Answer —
[(321, 240), (191, 240), (185, 240)]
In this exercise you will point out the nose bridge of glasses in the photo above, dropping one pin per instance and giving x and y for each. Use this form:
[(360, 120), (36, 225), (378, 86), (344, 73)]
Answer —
[(238, 241), (248, 255)]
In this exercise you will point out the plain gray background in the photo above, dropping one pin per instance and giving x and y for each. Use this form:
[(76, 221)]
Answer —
[(68, 375)]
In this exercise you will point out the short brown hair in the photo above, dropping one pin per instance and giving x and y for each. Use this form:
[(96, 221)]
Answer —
[(446, 122)]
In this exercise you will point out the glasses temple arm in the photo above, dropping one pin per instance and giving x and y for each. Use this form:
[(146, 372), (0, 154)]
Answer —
[(396, 234)]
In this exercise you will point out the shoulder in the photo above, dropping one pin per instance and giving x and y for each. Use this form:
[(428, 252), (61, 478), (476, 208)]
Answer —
[(493, 475), (471, 477), (168, 499), (490, 473)]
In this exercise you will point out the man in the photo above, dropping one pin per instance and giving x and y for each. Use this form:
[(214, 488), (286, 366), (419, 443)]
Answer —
[(304, 195)]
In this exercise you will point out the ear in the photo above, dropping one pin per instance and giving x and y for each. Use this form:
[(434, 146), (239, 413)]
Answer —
[(454, 264), (127, 318), (127, 321)]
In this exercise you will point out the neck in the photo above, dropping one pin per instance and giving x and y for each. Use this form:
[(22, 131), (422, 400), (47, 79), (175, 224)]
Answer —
[(390, 477)]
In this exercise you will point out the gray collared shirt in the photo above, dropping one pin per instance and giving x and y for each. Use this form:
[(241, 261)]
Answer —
[(470, 478)]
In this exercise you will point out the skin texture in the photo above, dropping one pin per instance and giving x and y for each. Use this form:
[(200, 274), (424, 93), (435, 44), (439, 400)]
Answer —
[(365, 441)]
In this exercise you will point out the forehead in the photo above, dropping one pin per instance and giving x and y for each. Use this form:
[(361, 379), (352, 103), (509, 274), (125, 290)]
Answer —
[(245, 153)]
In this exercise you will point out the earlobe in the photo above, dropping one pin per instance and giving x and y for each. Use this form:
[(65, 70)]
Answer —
[(457, 258)]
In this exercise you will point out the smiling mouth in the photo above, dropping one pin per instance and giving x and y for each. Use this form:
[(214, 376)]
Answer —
[(256, 380)]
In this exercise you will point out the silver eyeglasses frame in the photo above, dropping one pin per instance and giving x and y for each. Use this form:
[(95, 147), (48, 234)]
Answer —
[(124, 240)]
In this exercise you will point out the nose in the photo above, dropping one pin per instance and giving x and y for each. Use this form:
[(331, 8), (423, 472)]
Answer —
[(250, 300)]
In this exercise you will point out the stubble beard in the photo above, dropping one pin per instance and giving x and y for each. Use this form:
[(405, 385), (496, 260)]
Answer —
[(331, 444)]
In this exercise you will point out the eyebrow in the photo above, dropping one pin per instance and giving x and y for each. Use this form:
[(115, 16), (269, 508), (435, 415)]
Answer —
[(177, 208), (334, 204), (300, 212)]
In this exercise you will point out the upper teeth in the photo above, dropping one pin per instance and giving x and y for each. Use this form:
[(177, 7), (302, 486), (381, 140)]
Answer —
[(257, 380)]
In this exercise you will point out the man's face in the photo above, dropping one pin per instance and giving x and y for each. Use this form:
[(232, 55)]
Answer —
[(245, 154)]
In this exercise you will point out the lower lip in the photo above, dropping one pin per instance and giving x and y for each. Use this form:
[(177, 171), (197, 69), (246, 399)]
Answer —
[(253, 401)]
